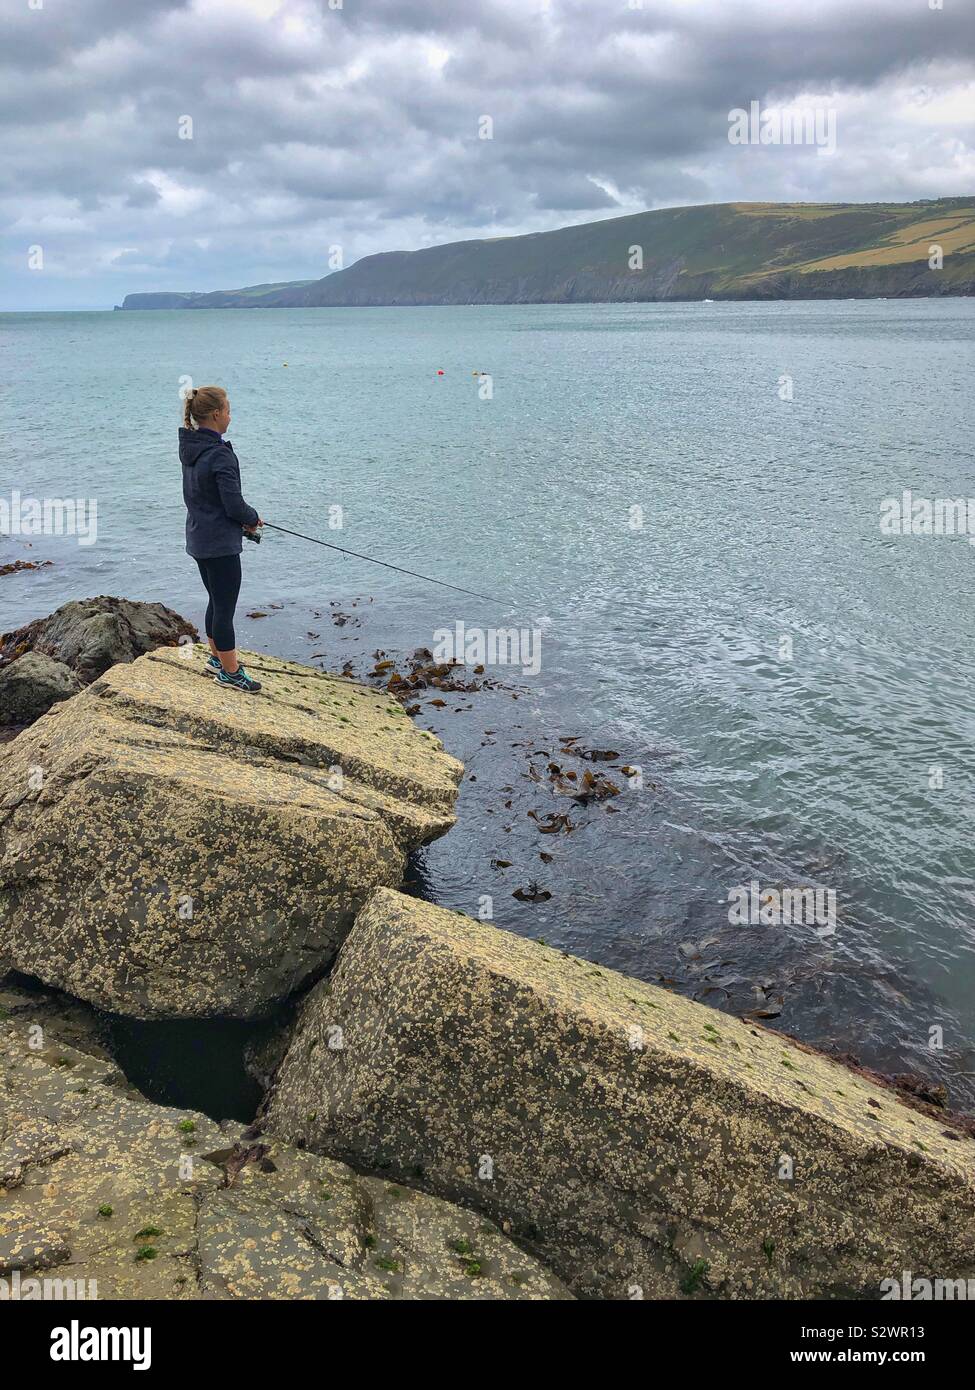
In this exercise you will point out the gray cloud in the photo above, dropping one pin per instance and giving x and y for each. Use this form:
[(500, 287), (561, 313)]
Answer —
[(358, 127)]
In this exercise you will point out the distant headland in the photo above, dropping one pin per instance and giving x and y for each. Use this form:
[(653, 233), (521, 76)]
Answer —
[(719, 251)]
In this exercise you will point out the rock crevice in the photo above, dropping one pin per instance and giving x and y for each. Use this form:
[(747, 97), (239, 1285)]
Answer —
[(127, 1199)]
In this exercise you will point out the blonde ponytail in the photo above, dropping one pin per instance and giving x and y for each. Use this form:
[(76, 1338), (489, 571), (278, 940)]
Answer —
[(200, 403)]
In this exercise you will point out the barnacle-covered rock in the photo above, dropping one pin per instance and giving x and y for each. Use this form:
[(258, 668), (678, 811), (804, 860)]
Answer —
[(104, 1195), (643, 1145), (171, 848)]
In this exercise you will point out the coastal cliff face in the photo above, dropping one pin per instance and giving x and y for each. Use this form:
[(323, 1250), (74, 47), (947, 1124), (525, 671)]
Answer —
[(169, 849), (635, 1140), (717, 251)]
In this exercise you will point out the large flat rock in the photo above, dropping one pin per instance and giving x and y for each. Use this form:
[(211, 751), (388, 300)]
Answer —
[(109, 1196), (642, 1144), (170, 848)]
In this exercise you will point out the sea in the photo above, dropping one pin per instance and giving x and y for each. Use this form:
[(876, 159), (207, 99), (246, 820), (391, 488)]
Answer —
[(724, 734)]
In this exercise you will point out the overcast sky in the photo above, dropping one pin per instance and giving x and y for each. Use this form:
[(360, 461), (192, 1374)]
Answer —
[(358, 126)]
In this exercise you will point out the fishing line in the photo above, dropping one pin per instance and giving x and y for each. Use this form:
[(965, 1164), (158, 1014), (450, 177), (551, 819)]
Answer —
[(472, 593)]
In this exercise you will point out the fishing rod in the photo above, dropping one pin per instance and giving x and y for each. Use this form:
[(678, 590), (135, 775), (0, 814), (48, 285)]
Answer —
[(472, 593)]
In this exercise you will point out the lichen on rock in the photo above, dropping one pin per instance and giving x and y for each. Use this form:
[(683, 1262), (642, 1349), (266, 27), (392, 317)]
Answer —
[(169, 848), (114, 1197), (643, 1145)]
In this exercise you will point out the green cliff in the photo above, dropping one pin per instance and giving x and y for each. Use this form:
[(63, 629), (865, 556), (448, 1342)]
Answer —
[(722, 251)]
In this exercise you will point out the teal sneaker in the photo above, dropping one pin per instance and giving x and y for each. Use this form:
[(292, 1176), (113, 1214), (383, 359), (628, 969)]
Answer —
[(240, 680), (213, 666)]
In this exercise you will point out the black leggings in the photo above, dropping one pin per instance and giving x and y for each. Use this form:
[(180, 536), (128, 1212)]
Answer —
[(222, 579)]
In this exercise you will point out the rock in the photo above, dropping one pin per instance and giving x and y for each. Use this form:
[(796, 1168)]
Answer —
[(172, 849), (27, 1248), (119, 1198), (54, 1022), (264, 1051), (92, 634), (52, 658), (18, 566), (36, 1142), (640, 1143), (31, 685)]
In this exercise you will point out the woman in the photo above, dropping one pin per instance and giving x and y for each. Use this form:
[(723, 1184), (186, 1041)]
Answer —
[(216, 518)]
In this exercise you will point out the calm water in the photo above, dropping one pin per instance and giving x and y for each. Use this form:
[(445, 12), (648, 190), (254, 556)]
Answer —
[(760, 521)]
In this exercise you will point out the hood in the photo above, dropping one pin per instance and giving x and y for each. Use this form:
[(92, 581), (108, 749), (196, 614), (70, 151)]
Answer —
[(193, 444)]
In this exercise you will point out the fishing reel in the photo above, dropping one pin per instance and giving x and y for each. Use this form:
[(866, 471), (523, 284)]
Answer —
[(254, 536)]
